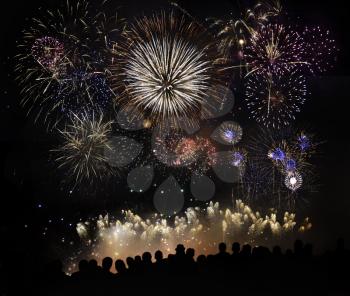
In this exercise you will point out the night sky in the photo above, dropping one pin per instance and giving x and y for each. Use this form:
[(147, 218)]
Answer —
[(32, 194)]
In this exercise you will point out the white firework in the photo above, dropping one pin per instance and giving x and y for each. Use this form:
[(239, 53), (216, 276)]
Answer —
[(293, 181), (166, 68)]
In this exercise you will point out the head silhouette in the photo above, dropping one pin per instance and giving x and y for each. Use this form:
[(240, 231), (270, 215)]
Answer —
[(130, 262), (222, 247), (93, 264), (236, 247), (120, 266), (147, 257), (180, 249), (158, 255), (201, 259), (107, 263), (190, 252)]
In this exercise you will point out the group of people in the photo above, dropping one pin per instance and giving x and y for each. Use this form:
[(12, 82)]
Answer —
[(246, 268)]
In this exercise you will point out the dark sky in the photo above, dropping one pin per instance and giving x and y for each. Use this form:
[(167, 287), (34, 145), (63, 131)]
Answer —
[(26, 164)]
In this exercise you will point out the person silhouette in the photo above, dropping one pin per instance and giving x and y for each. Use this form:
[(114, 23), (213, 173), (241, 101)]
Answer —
[(83, 271), (159, 266), (120, 268), (190, 264), (94, 271), (107, 263), (131, 265), (222, 251), (298, 248), (236, 248)]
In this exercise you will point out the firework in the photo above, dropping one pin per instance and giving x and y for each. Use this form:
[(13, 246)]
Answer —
[(165, 68), (293, 181), (174, 148), (201, 229), (230, 132), (233, 32), (323, 58), (275, 158), (62, 61), (274, 99), (239, 158), (275, 49), (83, 151), (48, 52)]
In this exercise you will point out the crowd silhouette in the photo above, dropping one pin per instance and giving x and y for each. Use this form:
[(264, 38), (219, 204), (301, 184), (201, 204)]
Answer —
[(250, 270)]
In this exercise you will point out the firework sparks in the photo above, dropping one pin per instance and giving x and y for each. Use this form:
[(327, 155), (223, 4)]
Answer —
[(277, 160), (233, 33), (83, 152), (201, 229), (323, 58), (165, 68), (62, 61), (275, 49), (293, 181), (175, 149), (274, 99), (231, 132)]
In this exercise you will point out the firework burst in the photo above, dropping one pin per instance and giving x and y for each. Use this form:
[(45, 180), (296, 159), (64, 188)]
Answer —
[(175, 149), (293, 181), (234, 32), (274, 99), (62, 61), (324, 57), (231, 132), (279, 171), (85, 146), (275, 48), (165, 67)]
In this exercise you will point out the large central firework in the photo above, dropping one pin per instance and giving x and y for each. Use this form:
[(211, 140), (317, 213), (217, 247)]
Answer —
[(165, 68)]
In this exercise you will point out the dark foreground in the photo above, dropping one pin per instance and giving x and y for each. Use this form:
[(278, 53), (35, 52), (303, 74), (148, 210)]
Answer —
[(242, 271)]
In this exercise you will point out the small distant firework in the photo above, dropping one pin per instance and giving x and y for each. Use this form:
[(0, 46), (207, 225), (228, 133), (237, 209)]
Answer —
[(273, 99), (201, 229), (48, 52), (293, 181), (164, 68), (277, 154), (239, 158), (321, 52), (175, 149), (231, 132), (304, 143), (275, 49), (83, 152), (62, 61)]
